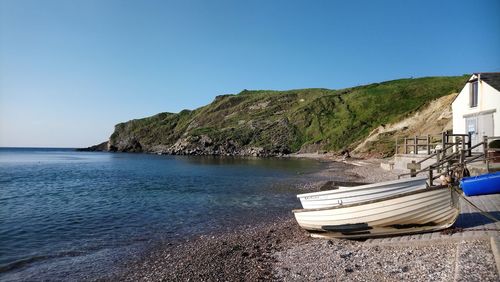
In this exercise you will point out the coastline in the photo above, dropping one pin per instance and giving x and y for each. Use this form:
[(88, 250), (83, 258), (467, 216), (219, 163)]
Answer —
[(277, 249)]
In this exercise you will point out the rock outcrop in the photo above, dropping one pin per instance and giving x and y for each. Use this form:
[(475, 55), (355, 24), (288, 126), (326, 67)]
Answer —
[(102, 147)]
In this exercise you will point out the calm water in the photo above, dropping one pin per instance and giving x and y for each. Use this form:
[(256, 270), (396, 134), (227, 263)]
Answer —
[(71, 215)]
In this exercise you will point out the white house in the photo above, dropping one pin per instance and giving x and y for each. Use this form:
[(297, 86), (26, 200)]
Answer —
[(477, 108)]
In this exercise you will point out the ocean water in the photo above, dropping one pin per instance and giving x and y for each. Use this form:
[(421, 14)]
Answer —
[(76, 215)]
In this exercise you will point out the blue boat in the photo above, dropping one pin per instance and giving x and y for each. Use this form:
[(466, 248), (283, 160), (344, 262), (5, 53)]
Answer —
[(484, 184)]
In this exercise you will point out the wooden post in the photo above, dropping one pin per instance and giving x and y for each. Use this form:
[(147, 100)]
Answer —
[(396, 146), (428, 144), (415, 147), (485, 152), (438, 159), (431, 168), (469, 143), (413, 167), (406, 145), (461, 163), (443, 144), (463, 143)]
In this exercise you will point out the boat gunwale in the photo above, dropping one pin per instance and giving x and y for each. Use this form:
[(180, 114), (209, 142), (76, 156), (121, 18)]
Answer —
[(429, 199), (372, 192), (361, 187)]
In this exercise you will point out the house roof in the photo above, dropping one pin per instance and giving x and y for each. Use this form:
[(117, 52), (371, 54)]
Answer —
[(492, 78)]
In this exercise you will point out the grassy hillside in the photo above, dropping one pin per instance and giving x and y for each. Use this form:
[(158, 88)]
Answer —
[(274, 122)]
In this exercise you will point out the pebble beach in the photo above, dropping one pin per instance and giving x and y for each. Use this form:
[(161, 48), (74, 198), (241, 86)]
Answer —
[(276, 249)]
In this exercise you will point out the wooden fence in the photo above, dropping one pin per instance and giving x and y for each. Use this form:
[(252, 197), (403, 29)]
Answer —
[(454, 155)]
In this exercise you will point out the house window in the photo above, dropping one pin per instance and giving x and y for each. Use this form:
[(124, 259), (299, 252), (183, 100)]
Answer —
[(473, 94)]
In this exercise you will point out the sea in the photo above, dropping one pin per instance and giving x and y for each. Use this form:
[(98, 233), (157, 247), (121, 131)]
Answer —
[(69, 215)]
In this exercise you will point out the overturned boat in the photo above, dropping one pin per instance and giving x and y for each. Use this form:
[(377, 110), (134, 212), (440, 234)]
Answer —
[(484, 184), (417, 211), (362, 193)]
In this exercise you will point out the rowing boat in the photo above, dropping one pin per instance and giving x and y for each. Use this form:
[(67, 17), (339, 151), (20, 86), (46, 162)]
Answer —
[(362, 193), (411, 212)]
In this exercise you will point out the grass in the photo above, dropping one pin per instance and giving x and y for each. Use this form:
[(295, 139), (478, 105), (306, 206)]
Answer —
[(291, 119)]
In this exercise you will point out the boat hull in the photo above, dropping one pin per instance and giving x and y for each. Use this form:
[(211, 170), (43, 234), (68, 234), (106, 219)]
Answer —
[(358, 194), (412, 212)]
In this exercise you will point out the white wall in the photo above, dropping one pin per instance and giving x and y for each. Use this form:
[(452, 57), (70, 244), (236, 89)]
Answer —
[(488, 99)]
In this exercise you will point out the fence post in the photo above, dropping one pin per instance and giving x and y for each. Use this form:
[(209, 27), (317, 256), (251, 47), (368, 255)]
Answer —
[(443, 144), (469, 143), (431, 168), (413, 169), (463, 143), (406, 146), (438, 159), (396, 146), (415, 147), (462, 163), (428, 144), (485, 152)]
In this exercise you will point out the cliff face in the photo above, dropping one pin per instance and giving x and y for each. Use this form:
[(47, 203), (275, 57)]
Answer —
[(268, 123), (432, 119)]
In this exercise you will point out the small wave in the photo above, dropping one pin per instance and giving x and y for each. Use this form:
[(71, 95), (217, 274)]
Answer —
[(22, 262), (26, 261)]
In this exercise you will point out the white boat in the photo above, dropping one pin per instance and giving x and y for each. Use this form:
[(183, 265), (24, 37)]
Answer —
[(411, 212), (357, 194)]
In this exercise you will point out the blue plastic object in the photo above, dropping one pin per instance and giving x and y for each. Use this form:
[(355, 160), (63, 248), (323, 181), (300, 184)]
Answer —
[(481, 185)]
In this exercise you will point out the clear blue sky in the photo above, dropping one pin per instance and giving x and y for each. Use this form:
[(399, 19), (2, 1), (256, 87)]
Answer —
[(71, 70)]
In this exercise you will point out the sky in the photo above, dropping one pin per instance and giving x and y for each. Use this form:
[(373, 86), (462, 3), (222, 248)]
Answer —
[(71, 70)]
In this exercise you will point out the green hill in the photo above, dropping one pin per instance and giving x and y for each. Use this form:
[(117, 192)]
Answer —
[(267, 122)]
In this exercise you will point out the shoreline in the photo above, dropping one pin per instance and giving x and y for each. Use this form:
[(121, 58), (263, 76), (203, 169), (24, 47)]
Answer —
[(278, 250)]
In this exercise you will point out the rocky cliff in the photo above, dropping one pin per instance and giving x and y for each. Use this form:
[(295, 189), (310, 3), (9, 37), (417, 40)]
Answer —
[(270, 123)]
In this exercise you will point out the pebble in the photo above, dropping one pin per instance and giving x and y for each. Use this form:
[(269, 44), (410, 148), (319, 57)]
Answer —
[(279, 250)]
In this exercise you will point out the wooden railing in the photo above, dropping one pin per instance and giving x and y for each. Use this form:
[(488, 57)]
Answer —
[(453, 157), (431, 143), (413, 144), (487, 150)]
